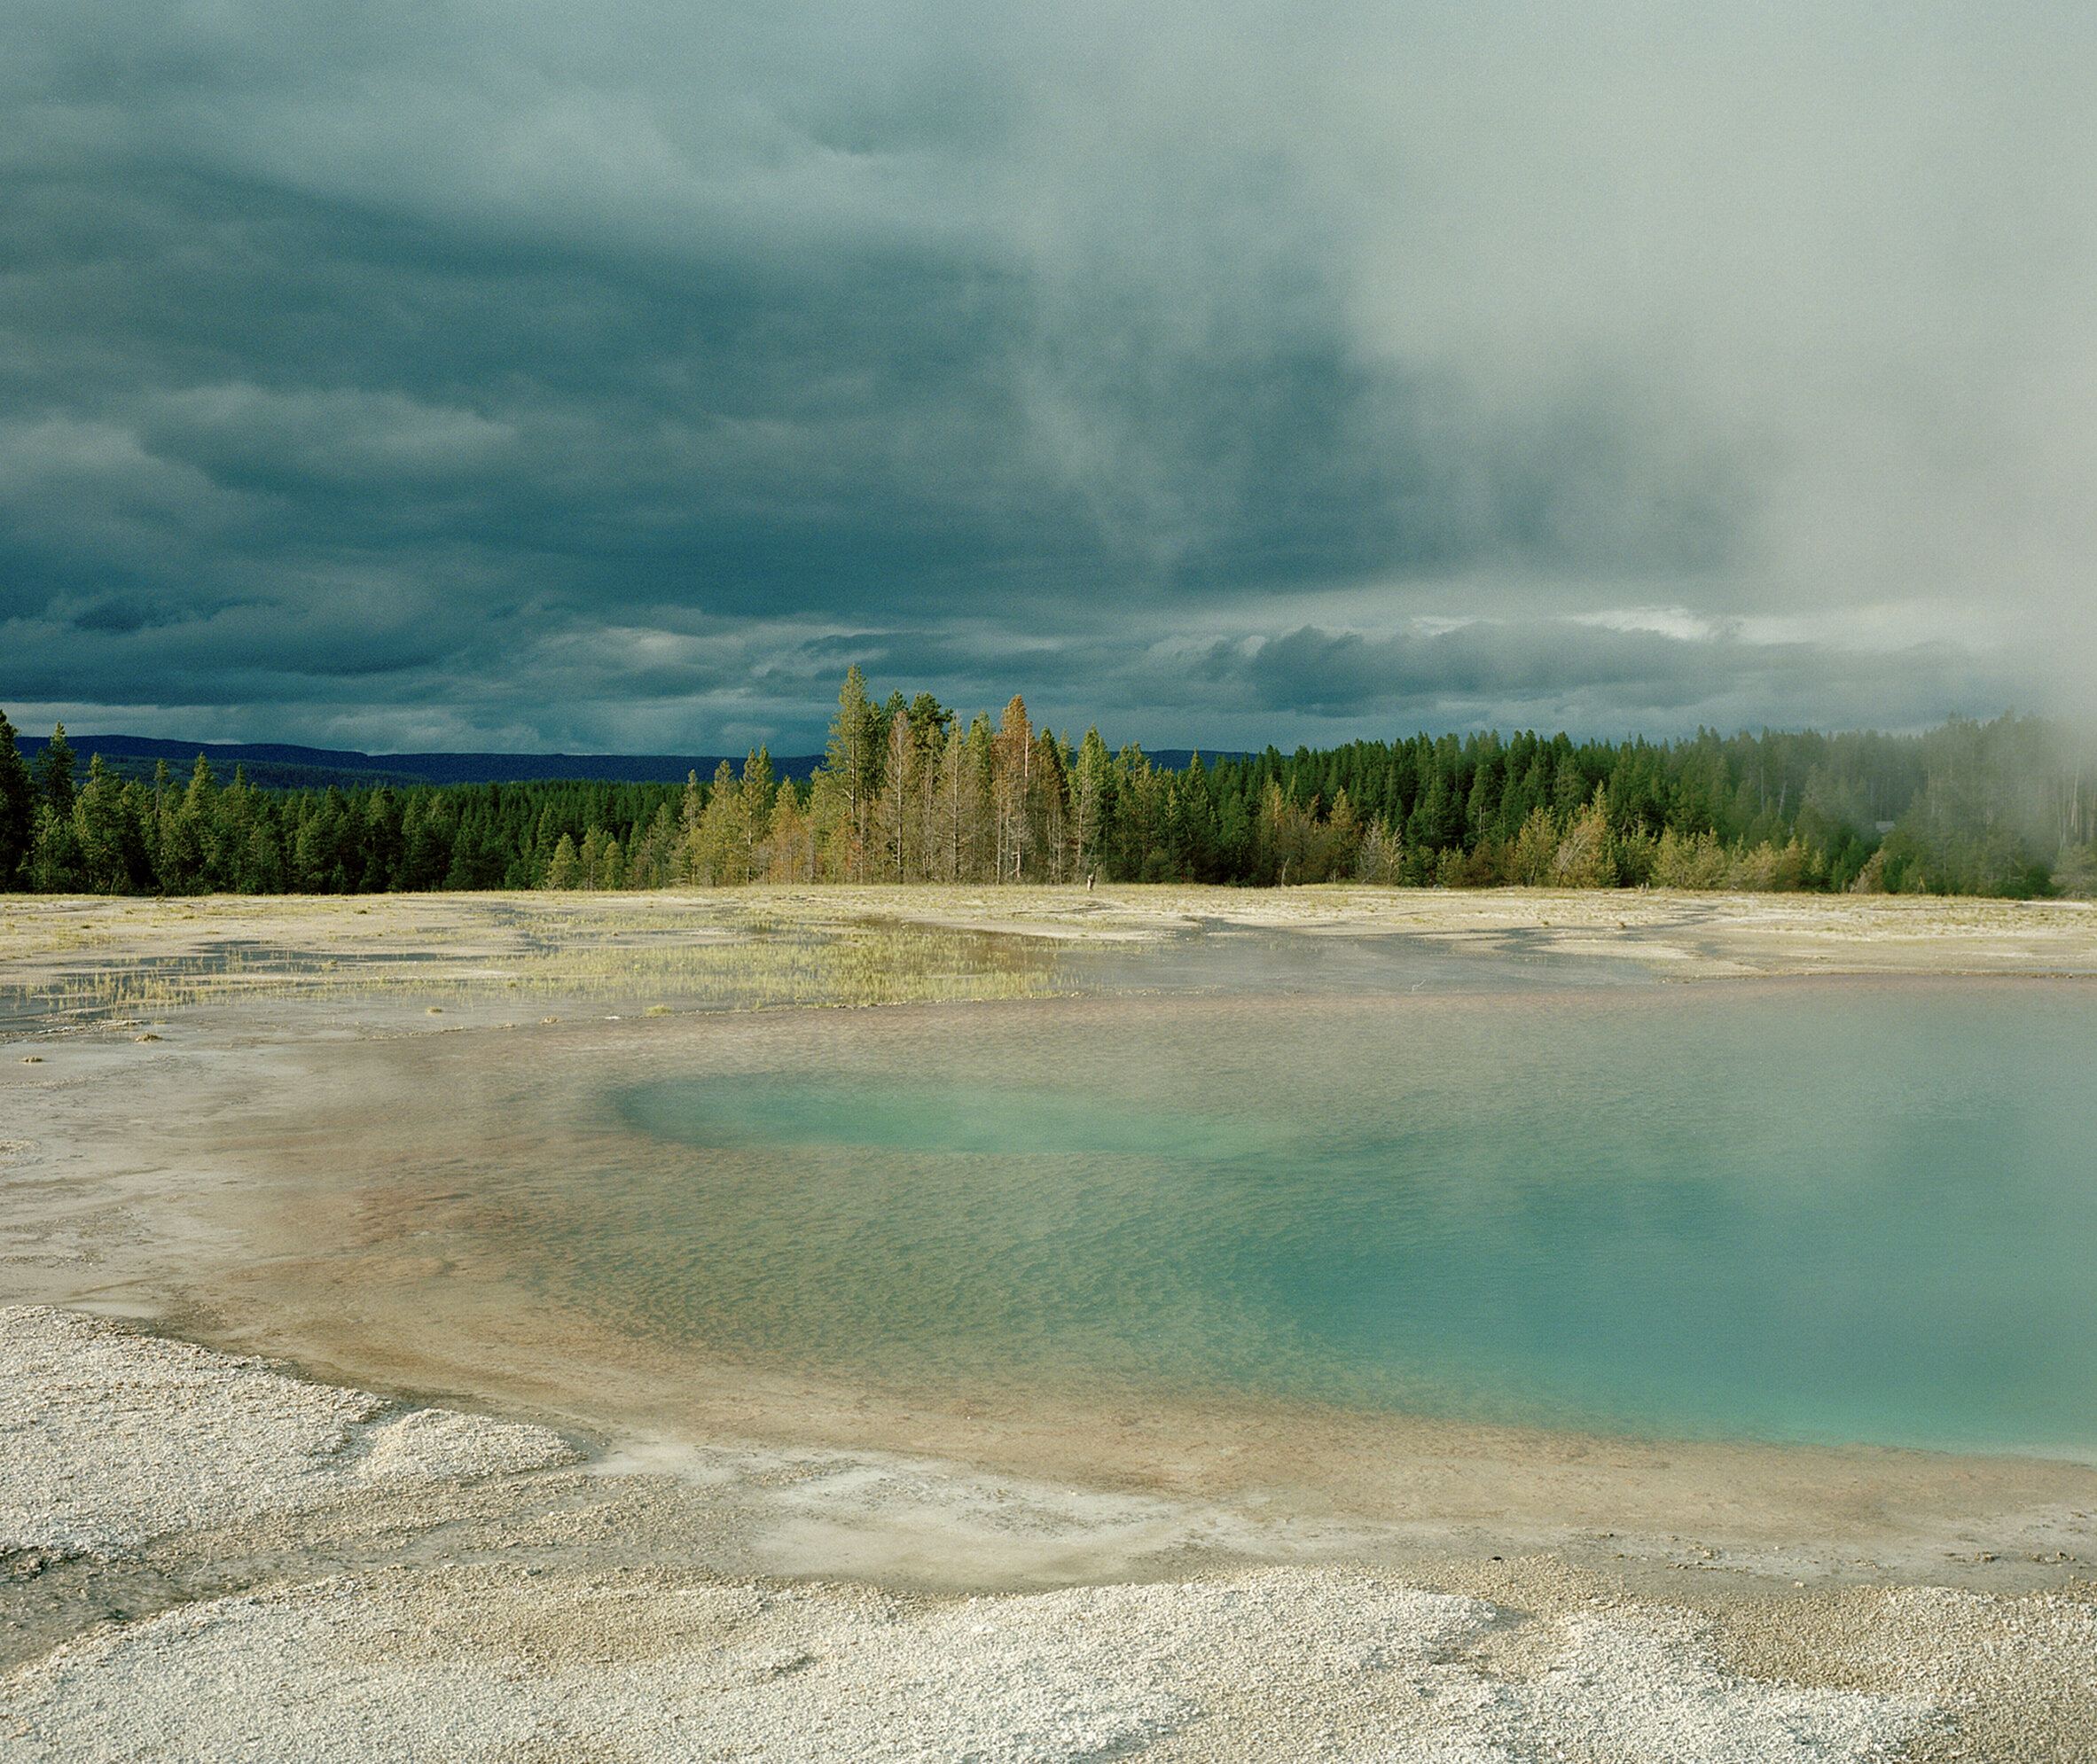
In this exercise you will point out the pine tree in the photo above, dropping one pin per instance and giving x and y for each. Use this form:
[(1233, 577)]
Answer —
[(1342, 841), (1233, 834), (1091, 802), (851, 757), (724, 841), (232, 821), (756, 811), (978, 848), (54, 770), (184, 831), (895, 811), (98, 829), (834, 845), (1012, 763), (691, 817), (264, 869), (18, 806), (790, 847), (1133, 829), (379, 830), (649, 864), (1048, 808), (1437, 819), (1587, 858), (54, 852), (1536, 845), (308, 851), (153, 820)]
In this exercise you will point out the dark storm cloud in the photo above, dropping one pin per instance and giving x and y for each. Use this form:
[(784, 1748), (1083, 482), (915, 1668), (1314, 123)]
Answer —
[(435, 375), (1348, 674), (1482, 672)]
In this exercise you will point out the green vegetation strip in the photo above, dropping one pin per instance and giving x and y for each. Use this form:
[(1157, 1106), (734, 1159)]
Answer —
[(909, 794), (864, 966)]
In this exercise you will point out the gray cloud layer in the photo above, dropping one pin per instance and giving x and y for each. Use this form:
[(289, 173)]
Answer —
[(452, 375)]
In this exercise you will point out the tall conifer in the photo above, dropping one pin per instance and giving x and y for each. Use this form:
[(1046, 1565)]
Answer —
[(851, 758), (18, 806), (54, 772), (1012, 761), (756, 807)]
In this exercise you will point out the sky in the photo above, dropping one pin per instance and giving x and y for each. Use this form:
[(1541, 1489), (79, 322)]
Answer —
[(424, 375)]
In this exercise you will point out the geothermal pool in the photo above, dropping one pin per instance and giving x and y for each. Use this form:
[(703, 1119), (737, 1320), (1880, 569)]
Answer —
[(1795, 1211)]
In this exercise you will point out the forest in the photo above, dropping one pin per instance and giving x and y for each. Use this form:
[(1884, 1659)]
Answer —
[(908, 792)]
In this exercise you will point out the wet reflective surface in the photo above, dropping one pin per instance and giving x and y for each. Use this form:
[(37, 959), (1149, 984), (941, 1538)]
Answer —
[(1860, 1210)]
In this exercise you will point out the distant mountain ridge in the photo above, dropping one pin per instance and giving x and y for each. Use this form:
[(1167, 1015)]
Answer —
[(273, 765), (280, 765)]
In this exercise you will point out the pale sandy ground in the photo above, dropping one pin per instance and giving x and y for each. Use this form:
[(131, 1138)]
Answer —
[(210, 1558), (498, 937)]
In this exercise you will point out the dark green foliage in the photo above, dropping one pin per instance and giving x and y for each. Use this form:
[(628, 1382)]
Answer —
[(117, 837), (1981, 808), (54, 772), (1966, 808), (18, 807)]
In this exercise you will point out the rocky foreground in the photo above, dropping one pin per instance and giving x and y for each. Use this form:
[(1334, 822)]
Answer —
[(208, 1558)]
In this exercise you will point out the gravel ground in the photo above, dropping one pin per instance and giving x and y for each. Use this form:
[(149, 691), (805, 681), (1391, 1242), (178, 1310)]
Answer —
[(120, 1448), (1282, 1663), (111, 1438), (202, 1557)]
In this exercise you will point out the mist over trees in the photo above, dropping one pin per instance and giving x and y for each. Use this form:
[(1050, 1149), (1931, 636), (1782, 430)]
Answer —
[(908, 792)]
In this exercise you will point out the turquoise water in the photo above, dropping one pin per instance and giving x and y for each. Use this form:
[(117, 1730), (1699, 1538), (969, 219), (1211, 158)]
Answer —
[(1812, 1211)]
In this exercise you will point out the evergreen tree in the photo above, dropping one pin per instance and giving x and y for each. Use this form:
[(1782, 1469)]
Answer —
[(2003, 808), (263, 870), (1234, 835), (690, 814), (153, 818), (427, 835), (852, 757), (790, 845), (106, 847), (54, 772), (1587, 858), (1436, 821), (650, 864), (1092, 802), (721, 856), (232, 826), (54, 852), (1048, 809), (18, 807), (198, 823), (897, 815), (979, 856), (1536, 845), (1011, 759), (757, 808), (837, 854), (929, 721)]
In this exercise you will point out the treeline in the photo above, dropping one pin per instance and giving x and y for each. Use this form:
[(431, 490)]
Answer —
[(908, 792)]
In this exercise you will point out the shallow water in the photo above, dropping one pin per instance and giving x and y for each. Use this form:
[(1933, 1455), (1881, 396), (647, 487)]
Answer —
[(1834, 1211)]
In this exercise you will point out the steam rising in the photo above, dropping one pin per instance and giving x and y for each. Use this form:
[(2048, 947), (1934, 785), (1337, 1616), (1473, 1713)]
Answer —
[(420, 377)]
